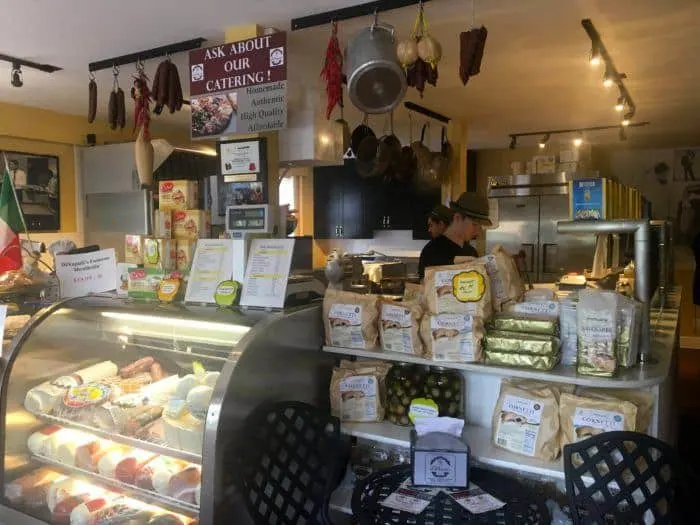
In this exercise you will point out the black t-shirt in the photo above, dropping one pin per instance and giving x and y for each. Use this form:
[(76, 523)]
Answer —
[(442, 251)]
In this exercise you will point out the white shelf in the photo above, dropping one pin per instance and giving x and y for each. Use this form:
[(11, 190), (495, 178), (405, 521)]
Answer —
[(479, 439), (637, 377)]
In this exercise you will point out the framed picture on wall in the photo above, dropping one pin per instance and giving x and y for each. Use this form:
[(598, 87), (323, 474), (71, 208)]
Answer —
[(37, 183)]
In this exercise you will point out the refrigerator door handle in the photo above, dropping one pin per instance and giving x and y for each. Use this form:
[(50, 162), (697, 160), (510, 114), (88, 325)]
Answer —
[(529, 267), (545, 248)]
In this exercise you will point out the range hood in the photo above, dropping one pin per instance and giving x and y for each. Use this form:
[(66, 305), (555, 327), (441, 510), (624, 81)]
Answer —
[(309, 139)]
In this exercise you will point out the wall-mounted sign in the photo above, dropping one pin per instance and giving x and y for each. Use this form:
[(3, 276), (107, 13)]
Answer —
[(239, 87), (240, 159), (242, 172)]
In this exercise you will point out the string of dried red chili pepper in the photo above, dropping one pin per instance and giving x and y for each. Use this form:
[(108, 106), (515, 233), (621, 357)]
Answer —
[(332, 71), (142, 106)]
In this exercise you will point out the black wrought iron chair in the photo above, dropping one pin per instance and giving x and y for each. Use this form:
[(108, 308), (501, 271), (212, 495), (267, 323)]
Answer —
[(287, 462), (628, 477)]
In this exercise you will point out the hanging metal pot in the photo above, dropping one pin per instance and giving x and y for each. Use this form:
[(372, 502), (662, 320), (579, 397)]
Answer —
[(376, 80)]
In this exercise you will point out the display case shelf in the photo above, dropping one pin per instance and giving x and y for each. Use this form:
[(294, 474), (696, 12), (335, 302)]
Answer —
[(479, 439), (151, 446), (146, 496), (637, 377)]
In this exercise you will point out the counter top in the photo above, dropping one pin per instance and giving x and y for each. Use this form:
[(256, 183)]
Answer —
[(664, 326)]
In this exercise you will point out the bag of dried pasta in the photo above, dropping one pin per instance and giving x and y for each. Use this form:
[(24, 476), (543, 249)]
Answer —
[(597, 328), (398, 327), (358, 390), (350, 319), (459, 289)]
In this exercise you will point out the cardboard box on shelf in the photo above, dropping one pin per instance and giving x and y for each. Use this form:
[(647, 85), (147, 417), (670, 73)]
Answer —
[(190, 224), (177, 194), (159, 253), (163, 224), (184, 252), (133, 249)]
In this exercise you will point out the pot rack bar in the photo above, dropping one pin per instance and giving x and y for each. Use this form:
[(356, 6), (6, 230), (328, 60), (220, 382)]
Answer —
[(412, 106), (46, 68), (156, 52), (574, 130), (347, 13)]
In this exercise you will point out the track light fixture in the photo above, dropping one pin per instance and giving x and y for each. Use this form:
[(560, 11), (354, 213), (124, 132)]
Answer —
[(628, 117), (16, 75), (611, 76), (620, 106), (577, 133)]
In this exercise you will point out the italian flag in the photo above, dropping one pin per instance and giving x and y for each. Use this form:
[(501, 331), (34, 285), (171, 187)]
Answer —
[(11, 223)]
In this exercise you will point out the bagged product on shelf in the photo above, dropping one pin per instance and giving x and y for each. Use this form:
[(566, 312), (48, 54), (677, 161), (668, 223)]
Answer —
[(453, 337), (459, 289), (184, 252), (526, 420), (415, 292), (568, 331), (159, 253), (350, 319), (398, 327), (644, 401), (31, 489), (506, 283), (358, 390), (163, 224), (525, 323), (549, 309), (582, 417), (628, 331), (133, 249), (534, 361), (177, 194), (539, 294), (596, 314), (520, 343), (190, 224)]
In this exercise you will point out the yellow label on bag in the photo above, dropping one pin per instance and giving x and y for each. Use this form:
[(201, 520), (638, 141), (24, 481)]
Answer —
[(468, 287)]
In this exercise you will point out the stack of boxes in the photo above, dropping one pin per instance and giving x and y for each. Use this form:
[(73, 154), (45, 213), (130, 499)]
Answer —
[(177, 226)]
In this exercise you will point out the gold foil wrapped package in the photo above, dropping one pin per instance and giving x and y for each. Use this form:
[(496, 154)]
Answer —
[(529, 324), (534, 344), (538, 362)]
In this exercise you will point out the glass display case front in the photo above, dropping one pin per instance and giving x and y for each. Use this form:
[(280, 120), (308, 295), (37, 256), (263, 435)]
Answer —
[(107, 404)]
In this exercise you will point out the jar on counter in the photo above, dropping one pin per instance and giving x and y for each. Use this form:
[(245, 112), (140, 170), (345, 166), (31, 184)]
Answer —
[(445, 387), (404, 383)]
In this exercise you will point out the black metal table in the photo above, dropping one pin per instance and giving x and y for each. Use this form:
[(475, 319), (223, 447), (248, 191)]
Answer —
[(522, 505)]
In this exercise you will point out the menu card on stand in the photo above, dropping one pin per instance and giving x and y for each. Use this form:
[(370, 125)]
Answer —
[(211, 264), (85, 273), (267, 273)]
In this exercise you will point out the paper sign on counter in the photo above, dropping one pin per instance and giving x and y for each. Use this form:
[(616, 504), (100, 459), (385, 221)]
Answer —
[(87, 273), (212, 263), (267, 273)]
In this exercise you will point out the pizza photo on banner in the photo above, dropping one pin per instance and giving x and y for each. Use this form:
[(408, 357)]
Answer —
[(239, 87)]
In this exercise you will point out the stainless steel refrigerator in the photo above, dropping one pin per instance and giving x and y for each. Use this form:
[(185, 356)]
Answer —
[(527, 209)]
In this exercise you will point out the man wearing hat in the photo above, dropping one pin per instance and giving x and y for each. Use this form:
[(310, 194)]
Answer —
[(469, 213)]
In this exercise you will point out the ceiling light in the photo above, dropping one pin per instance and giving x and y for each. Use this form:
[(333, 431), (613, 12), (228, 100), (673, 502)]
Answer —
[(595, 59), (543, 142), (620, 106), (622, 133), (608, 78), (628, 117), (577, 142), (513, 142), (16, 75)]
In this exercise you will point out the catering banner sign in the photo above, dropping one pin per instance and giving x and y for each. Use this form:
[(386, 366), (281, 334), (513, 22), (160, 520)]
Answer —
[(239, 87)]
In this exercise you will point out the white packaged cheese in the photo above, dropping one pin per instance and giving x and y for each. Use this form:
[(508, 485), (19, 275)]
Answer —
[(453, 337), (398, 327)]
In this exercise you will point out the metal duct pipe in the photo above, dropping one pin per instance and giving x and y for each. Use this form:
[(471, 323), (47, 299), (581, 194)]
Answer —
[(664, 262), (642, 261)]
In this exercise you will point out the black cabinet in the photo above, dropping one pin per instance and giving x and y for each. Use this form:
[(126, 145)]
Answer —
[(348, 206), (340, 207), (423, 202)]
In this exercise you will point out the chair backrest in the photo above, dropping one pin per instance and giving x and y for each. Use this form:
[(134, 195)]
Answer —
[(286, 462), (628, 477)]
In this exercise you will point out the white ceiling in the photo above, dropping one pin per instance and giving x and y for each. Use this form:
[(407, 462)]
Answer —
[(534, 75)]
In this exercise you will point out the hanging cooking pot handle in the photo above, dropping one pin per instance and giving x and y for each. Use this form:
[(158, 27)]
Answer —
[(378, 25), (422, 133), (443, 139)]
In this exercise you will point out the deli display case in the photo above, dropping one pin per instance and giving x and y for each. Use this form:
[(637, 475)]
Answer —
[(116, 408)]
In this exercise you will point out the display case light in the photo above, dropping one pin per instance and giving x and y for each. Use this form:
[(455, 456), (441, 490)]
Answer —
[(177, 322)]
